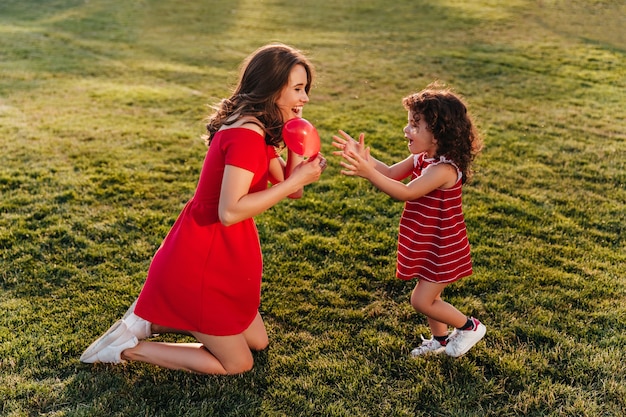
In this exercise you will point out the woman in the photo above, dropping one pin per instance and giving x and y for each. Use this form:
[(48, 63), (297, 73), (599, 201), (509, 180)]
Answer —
[(205, 279)]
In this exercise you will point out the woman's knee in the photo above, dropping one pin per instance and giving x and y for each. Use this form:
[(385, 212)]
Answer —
[(256, 335), (232, 367), (259, 343), (239, 366)]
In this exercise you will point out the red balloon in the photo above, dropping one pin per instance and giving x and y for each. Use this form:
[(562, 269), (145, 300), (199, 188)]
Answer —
[(301, 137)]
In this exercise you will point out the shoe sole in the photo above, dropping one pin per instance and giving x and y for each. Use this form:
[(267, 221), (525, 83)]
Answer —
[(115, 331), (430, 352), (481, 331)]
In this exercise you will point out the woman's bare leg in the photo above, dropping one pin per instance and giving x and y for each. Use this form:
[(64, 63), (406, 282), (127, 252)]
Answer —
[(191, 357), (213, 355), (256, 335)]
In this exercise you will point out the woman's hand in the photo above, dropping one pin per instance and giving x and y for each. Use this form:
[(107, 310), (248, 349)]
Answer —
[(309, 171), (237, 204)]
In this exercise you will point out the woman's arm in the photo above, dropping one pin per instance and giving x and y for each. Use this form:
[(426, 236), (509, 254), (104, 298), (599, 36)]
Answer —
[(236, 204), (279, 170)]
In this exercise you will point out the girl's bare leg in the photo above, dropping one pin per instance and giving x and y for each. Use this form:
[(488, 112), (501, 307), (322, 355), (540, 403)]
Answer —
[(213, 355), (426, 299)]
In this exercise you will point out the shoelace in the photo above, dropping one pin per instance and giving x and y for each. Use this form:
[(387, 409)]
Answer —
[(455, 333), (426, 343)]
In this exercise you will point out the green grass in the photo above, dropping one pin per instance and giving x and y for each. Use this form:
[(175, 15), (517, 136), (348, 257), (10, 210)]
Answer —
[(101, 108)]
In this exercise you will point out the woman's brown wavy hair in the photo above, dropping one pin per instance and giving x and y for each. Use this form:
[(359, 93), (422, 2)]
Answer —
[(263, 75)]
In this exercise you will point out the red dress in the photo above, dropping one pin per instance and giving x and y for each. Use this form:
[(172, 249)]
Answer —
[(206, 277), (432, 240)]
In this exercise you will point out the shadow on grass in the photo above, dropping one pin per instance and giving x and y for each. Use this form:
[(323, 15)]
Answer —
[(134, 389)]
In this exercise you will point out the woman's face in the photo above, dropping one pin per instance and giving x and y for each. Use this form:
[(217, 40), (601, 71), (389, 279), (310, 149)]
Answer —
[(420, 137), (293, 95)]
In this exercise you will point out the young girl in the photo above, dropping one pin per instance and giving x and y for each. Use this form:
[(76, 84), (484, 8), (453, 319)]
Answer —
[(432, 242), (205, 279)]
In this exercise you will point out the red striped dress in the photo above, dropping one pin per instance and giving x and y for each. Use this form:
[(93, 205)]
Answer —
[(432, 240)]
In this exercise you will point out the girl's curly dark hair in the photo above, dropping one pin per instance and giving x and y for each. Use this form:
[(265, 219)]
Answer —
[(447, 118), (263, 75)]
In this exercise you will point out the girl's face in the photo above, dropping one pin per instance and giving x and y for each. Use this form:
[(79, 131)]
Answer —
[(420, 138), (293, 95)]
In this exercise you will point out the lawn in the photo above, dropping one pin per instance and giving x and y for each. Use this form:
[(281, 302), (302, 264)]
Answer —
[(101, 111)]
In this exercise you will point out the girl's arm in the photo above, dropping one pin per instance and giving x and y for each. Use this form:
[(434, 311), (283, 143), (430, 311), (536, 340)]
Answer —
[(347, 145), (437, 176), (236, 204), (398, 171)]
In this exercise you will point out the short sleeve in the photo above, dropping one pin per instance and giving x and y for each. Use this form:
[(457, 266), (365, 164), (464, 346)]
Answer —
[(272, 152), (246, 149)]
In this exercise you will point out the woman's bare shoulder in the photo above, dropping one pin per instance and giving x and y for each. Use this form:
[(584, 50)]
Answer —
[(250, 123)]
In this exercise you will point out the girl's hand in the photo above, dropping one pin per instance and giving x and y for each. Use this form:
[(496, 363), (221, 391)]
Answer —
[(347, 144), (356, 164)]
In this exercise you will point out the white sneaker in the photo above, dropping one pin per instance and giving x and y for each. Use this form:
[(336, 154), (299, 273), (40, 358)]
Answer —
[(461, 341), (140, 328), (108, 348), (431, 345)]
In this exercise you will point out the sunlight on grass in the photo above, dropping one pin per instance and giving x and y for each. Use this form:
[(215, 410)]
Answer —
[(493, 10), (602, 21), (160, 66), (146, 95), (101, 112)]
